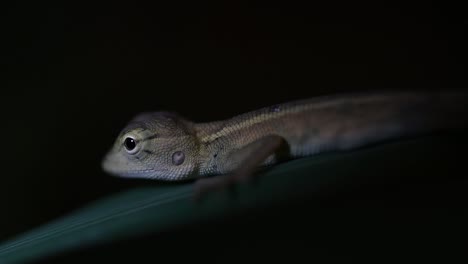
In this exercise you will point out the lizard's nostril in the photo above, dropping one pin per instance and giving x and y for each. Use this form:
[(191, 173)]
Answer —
[(105, 164)]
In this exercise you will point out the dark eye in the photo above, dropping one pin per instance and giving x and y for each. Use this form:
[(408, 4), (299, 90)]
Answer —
[(178, 158), (130, 144)]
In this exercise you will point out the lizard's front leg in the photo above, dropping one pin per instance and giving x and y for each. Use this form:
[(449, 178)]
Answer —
[(246, 160)]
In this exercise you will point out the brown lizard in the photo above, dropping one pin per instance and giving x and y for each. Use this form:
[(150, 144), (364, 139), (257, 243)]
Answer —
[(166, 146)]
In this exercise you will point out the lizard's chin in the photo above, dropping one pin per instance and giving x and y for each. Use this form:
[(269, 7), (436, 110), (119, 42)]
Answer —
[(114, 169)]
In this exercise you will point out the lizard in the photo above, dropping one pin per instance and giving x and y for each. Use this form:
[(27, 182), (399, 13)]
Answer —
[(166, 146)]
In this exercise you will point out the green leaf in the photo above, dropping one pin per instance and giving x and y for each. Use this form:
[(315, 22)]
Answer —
[(158, 208)]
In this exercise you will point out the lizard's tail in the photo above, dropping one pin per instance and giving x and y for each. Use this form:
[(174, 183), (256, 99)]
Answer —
[(443, 110), (402, 115)]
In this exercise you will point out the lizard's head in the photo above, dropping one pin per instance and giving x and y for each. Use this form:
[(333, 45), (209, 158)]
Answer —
[(158, 145)]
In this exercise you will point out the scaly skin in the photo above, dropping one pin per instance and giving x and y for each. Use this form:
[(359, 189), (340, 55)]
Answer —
[(169, 147)]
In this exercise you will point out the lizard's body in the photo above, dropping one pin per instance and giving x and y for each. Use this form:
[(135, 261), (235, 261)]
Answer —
[(271, 134)]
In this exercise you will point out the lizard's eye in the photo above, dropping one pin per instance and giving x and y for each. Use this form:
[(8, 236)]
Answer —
[(130, 145)]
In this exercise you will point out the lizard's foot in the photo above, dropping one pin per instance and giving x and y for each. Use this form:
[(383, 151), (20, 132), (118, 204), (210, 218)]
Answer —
[(204, 186), (250, 156)]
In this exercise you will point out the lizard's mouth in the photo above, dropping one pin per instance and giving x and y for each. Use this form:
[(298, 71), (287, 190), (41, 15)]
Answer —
[(115, 166), (118, 168)]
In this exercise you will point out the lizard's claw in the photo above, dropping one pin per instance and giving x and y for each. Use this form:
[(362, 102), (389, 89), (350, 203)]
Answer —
[(204, 186)]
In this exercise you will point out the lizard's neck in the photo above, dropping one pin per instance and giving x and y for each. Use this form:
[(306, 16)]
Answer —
[(203, 130), (208, 151)]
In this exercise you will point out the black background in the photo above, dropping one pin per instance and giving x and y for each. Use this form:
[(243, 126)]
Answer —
[(73, 74)]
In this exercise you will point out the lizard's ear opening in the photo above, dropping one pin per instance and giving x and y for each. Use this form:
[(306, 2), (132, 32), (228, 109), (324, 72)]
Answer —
[(178, 158)]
